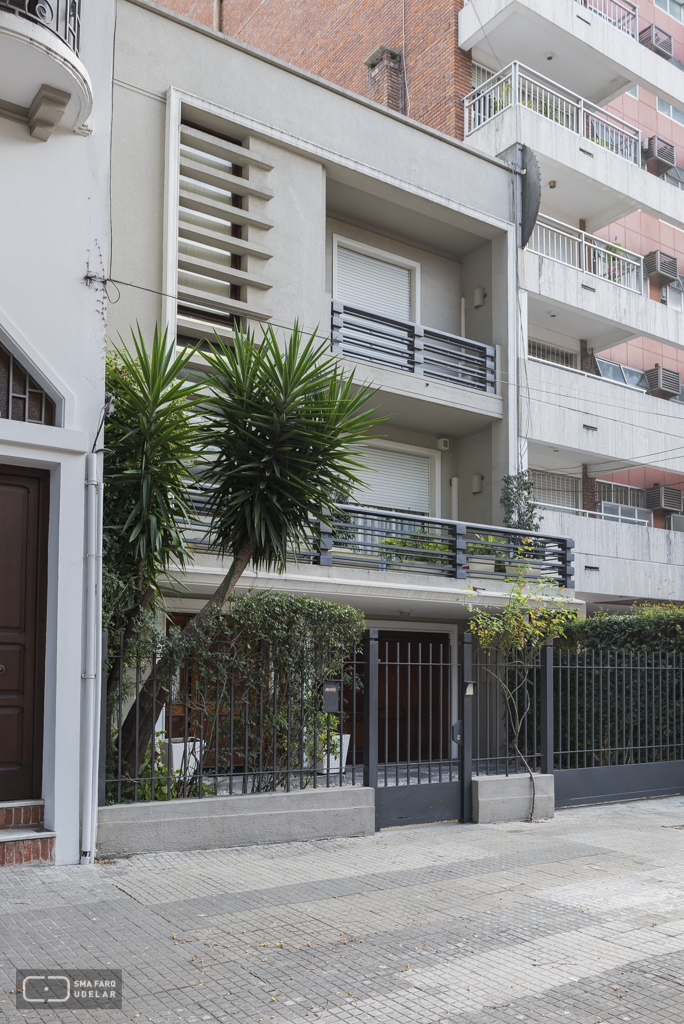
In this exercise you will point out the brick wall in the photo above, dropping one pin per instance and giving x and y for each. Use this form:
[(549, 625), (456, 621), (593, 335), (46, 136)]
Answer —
[(332, 38)]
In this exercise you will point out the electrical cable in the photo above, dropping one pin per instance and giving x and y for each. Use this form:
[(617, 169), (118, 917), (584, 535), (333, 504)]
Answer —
[(472, 4)]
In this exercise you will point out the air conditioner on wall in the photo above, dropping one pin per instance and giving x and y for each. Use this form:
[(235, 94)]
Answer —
[(660, 498), (659, 155), (659, 265), (663, 383)]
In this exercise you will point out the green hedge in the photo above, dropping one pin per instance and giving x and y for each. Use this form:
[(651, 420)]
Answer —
[(645, 628)]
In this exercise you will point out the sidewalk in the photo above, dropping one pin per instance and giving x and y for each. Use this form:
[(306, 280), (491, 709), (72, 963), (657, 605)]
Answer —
[(578, 919)]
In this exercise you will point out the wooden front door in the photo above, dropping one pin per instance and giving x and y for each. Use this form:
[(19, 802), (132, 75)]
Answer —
[(23, 586)]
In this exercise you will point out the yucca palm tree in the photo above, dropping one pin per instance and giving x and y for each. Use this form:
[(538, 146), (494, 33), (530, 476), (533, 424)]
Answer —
[(151, 446), (281, 429)]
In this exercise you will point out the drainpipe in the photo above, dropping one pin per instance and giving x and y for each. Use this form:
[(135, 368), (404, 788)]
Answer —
[(91, 648)]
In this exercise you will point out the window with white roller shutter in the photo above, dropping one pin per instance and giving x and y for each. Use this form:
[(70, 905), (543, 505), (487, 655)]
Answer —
[(373, 284), (399, 481)]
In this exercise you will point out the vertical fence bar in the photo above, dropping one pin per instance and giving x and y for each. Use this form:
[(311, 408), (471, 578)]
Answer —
[(546, 710), (465, 697), (104, 712), (370, 708)]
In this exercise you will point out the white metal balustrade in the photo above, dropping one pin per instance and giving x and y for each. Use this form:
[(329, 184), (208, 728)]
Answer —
[(620, 14), (518, 84), (595, 256)]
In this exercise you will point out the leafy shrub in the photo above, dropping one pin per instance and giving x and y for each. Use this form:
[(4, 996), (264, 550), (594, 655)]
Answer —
[(645, 628)]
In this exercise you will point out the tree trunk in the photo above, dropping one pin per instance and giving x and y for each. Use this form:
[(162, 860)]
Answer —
[(113, 677), (148, 705)]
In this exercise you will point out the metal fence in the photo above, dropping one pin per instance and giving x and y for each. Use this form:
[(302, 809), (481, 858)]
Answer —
[(521, 85), (564, 244), (618, 708), (63, 17), (367, 538), (507, 700), (401, 345), (224, 727)]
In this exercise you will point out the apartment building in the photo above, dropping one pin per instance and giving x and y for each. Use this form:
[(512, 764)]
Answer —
[(269, 195), (55, 99), (595, 88)]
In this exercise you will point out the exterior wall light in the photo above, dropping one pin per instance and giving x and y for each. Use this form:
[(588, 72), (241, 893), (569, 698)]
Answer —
[(479, 296), (552, 184)]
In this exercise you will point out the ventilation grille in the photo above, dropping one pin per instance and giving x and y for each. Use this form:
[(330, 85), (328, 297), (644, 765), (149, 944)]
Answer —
[(659, 264), (551, 354), (662, 498), (667, 382), (656, 39)]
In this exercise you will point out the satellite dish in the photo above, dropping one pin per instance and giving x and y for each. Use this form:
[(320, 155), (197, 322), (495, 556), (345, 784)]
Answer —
[(531, 194)]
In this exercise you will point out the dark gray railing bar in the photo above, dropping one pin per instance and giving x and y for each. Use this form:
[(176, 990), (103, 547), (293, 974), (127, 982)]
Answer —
[(412, 348), (63, 17), (370, 708)]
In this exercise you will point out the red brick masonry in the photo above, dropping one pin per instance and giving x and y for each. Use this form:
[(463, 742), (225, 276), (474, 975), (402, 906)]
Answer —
[(27, 851), (21, 816)]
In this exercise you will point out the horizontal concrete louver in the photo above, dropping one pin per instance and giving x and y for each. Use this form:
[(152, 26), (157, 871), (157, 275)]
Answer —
[(223, 198), (373, 285), (398, 481)]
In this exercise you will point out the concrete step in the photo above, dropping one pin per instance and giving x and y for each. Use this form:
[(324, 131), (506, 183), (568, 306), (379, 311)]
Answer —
[(21, 813)]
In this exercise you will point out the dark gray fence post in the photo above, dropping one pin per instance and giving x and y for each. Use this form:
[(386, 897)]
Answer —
[(370, 708), (546, 682), (102, 773), (466, 688)]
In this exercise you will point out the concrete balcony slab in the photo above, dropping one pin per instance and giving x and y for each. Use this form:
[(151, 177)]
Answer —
[(588, 307), (592, 183)]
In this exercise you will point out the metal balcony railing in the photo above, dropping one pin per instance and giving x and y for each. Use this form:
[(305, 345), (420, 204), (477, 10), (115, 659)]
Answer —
[(63, 17), (658, 40), (518, 84), (369, 538), (587, 253), (401, 345), (622, 15)]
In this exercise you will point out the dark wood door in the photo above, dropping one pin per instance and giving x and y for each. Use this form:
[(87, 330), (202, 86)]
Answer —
[(23, 585)]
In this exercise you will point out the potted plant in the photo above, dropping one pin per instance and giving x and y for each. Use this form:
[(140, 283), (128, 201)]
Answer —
[(486, 555)]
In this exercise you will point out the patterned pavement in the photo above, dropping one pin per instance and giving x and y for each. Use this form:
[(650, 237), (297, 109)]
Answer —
[(577, 919)]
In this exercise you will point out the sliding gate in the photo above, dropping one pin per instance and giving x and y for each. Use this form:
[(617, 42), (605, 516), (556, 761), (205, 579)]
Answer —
[(406, 725)]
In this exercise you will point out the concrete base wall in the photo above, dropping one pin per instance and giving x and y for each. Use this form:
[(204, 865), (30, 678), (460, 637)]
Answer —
[(218, 822), (509, 798)]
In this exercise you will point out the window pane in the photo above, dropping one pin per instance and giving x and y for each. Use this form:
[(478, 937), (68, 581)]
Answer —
[(664, 108), (678, 114), (662, 4), (637, 378), (674, 298), (634, 91), (610, 370)]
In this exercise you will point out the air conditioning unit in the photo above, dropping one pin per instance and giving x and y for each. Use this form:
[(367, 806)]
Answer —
[(659, 265), (663, 383), (656, 39), (660, 498), (659, 155)]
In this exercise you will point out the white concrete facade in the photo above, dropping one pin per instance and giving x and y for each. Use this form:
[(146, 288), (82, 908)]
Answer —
[(54, 183)]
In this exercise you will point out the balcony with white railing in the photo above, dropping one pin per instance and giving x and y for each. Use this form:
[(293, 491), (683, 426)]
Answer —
[(622, 15), (518, 84), (587, 253), (590, 160), (607, 289), (593, 47)]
